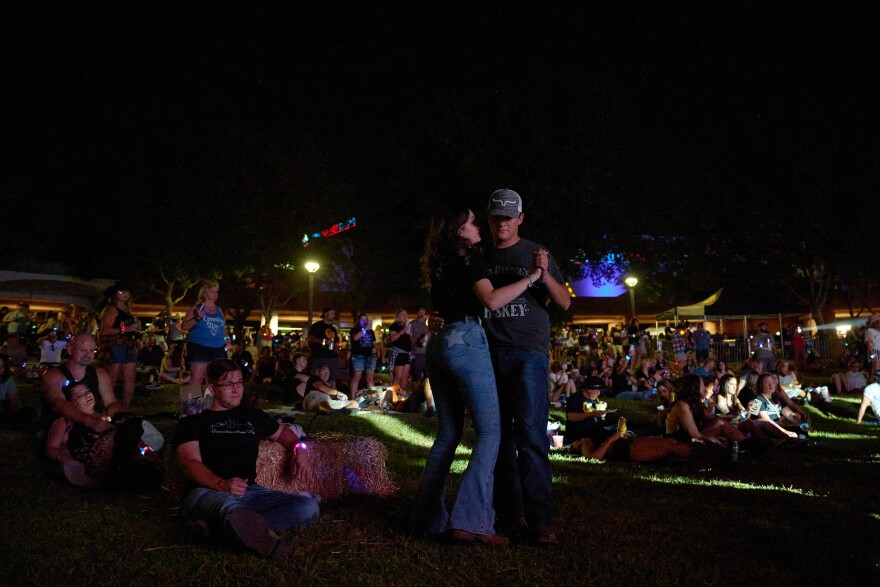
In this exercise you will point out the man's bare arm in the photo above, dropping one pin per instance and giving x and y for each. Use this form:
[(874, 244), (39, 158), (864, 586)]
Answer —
[(53, 381)]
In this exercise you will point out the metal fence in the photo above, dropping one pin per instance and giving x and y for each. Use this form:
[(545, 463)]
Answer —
[(733, 351), (737, 351)]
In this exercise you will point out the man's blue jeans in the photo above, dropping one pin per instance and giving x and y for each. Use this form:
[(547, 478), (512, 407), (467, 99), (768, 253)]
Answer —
[(460, 371), (281, 510), (522, 474)]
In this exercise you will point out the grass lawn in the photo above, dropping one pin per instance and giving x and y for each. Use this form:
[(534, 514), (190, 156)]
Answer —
[(807, 516)]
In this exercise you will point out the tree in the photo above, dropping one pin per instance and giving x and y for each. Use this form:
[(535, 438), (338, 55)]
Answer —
[(277, 285)]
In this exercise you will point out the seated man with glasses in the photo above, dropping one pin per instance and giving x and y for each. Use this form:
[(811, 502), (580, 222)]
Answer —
[(218, 450), (77, 369)]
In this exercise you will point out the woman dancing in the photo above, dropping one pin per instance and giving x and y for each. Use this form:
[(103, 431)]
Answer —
[(460, 371)]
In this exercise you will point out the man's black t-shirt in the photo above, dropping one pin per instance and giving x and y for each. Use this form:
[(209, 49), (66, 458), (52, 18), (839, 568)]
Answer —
[(577, 430), (229, 440), (524, 322), (323, 331), (151, 356)]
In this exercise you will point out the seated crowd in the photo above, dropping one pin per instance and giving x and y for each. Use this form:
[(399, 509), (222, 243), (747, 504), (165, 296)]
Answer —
[(703, 410)]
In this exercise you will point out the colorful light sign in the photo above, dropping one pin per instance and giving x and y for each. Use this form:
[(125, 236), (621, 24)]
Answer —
[(331, 231)]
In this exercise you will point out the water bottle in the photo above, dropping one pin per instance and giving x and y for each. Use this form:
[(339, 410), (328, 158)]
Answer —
[(734, 451), (207, 399)]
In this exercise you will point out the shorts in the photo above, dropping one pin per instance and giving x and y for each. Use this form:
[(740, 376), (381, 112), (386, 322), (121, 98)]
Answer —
[(313, 398), (363, 363), (200, 355), (398, 358), (122, 354)]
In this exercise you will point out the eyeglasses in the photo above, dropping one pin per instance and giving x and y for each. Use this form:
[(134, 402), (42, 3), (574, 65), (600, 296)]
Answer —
[(230, 385)]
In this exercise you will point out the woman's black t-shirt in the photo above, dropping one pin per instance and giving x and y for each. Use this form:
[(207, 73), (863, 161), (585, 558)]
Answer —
[(363, 347), (404, 342), (452, 295)]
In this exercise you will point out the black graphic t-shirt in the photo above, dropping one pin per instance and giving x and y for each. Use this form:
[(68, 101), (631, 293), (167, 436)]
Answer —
[(363, 347), (326, 332), (229, 440), (524, 322)]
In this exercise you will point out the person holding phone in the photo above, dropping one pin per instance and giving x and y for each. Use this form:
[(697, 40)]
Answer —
[(206, 325), (363, 354)]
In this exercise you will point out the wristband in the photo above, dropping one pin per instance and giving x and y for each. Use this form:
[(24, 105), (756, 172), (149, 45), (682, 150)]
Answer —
[(218, 483), (529, 277)]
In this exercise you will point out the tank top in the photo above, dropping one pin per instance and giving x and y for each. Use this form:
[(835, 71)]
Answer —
[(90, 379)]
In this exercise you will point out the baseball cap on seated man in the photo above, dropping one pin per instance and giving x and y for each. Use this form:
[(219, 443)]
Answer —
[(505, 203)]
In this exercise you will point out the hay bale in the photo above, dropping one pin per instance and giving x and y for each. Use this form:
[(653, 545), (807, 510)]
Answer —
[(342, 466)]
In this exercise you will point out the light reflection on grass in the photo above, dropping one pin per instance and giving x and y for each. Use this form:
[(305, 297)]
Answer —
[(840, 435), (856, 399), (679, 480), (401, 430)]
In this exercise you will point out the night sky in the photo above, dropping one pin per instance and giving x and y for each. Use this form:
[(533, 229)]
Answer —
[(639, 115)]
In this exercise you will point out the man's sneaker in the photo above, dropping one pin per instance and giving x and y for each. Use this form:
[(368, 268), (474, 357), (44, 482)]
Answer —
[(546, 536), (253, 533)]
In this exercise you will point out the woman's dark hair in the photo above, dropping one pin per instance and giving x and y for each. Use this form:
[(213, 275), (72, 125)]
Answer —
[(722, 384), (759, 386), (218, 368), (689, 392), (7, 373), (176, 354), (444, 245)]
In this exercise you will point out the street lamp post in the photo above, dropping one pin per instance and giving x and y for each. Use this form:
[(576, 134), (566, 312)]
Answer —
[(631, 283), (311, 267)]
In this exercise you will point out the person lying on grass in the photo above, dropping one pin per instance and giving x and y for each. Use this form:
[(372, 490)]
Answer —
[(644, 449), (218, 450), (322, 398)]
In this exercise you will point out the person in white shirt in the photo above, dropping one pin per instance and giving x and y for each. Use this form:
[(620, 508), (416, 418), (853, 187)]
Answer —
[(50, 348)]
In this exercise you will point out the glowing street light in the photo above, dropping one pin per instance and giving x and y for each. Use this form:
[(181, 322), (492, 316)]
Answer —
[(631, 283), (312, 268)]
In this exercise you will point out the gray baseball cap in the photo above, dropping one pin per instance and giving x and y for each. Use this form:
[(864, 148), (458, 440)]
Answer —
[(505, 203)]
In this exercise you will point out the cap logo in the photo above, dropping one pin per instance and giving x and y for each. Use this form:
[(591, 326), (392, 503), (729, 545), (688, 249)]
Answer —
[(503, 203)]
